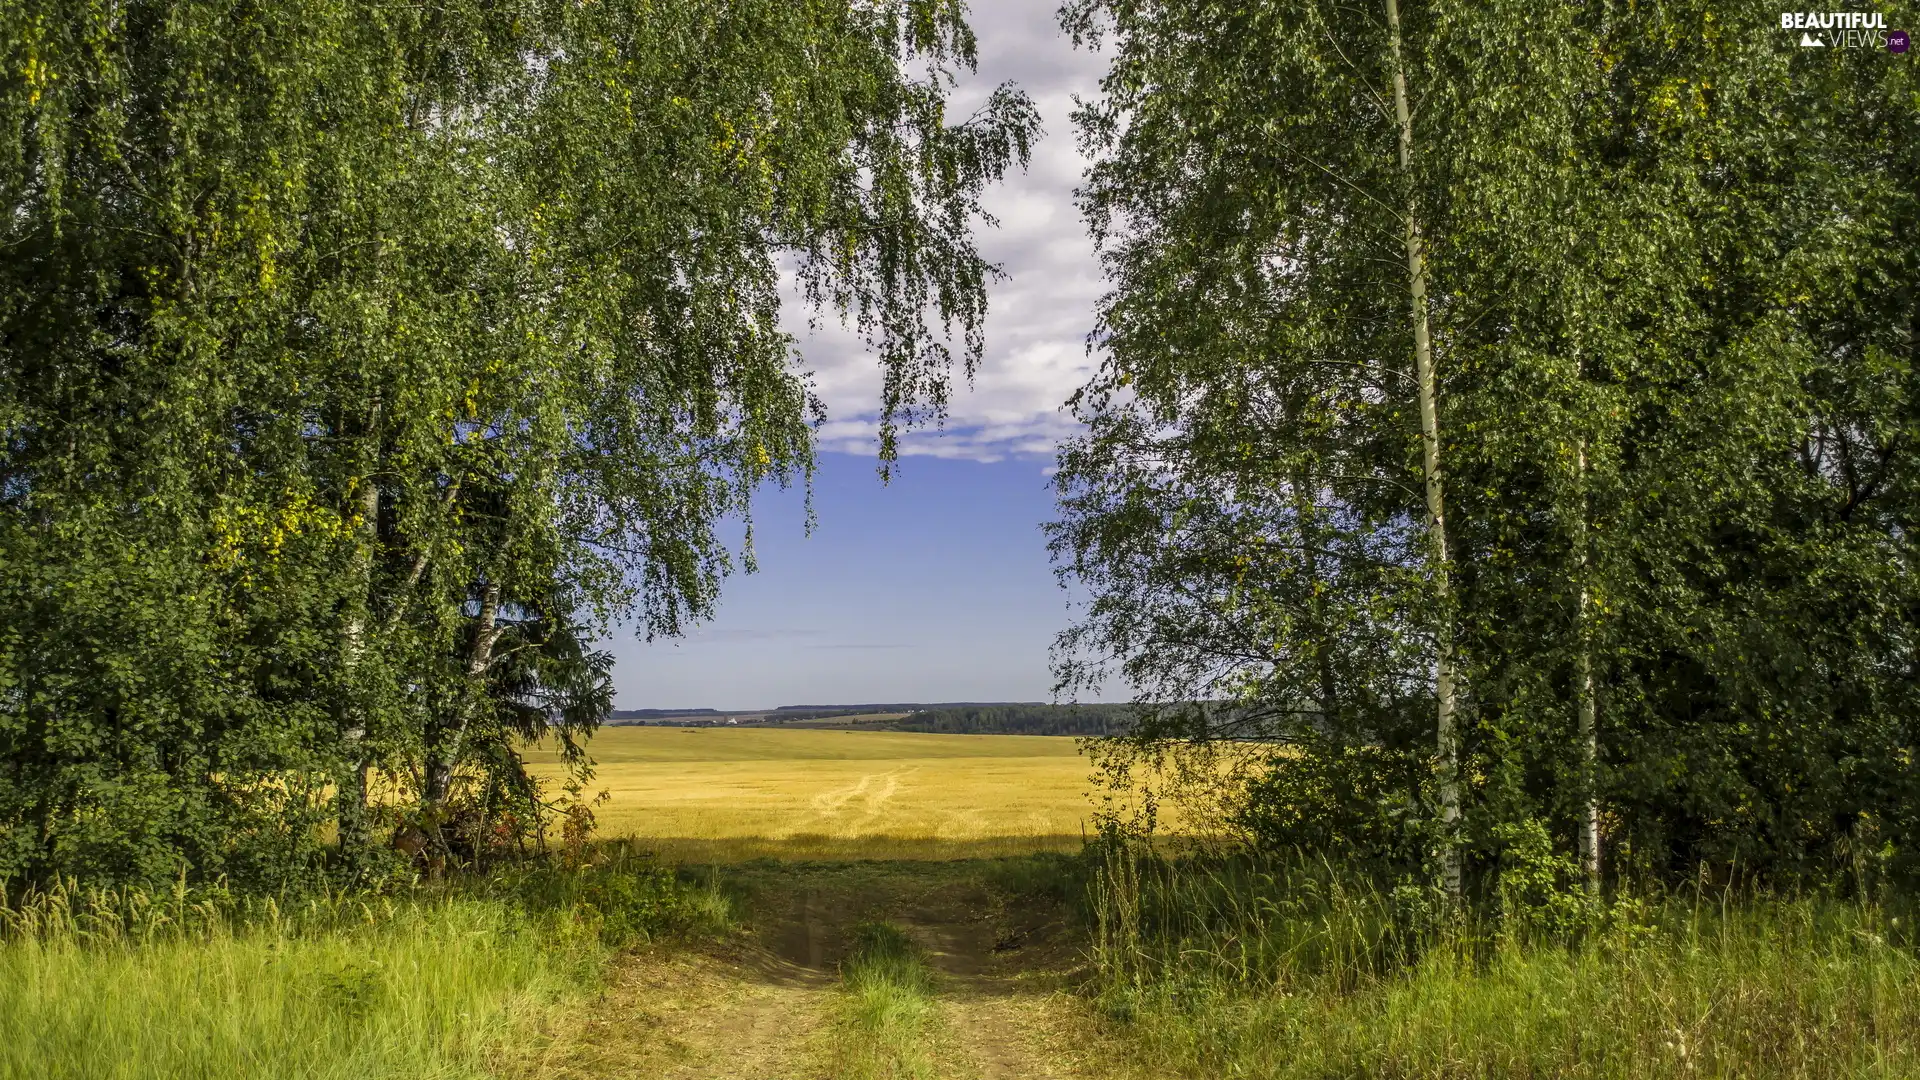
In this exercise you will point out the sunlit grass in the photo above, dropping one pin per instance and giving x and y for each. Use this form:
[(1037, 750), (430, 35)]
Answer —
[(1236, 970), (885, 1021), (445, 985), (416, 991)]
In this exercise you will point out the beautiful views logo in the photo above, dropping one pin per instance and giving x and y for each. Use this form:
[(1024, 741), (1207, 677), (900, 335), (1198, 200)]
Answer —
[(1844, 30)]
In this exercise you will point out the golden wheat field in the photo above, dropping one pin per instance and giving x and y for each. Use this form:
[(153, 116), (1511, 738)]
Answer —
[(736, 793)]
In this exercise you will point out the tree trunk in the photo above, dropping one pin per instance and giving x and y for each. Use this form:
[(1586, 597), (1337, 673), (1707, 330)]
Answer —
[(1446, 737), (1588, 705), (350, 795), (1589, 763), (443, 748), (1306, 513)]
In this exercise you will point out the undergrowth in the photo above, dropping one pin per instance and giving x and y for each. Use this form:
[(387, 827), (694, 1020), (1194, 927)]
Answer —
[(1244, 967), (445, 983)]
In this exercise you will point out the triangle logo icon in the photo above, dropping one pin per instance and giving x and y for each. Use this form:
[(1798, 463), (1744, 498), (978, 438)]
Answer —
[(1808, 41)]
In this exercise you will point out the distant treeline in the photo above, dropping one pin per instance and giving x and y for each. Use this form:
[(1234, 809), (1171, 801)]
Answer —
[(1020, 720)]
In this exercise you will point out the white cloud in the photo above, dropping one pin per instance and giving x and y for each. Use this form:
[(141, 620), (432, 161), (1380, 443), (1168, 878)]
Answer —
[(1039, 314)]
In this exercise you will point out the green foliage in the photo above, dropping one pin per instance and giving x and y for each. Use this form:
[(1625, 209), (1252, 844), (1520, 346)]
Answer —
[(1358, 803), (1542, 894), (356, 365), (1671, 263), (618, 898)]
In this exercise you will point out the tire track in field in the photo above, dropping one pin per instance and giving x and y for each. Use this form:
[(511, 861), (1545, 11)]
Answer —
[(869, 797), (830, 803), (876, 802)]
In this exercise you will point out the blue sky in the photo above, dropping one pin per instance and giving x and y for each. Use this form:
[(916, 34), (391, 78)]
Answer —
[(937, 587)]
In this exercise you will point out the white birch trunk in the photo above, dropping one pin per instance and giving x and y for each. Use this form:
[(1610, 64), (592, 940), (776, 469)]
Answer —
[(444, 739), (445, 750), (1589, 735), (350, 800), (1446, 737)]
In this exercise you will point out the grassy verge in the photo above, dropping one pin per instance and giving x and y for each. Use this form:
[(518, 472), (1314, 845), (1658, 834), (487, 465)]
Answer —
[(1253, 971), (885, 1019), (445, 984)]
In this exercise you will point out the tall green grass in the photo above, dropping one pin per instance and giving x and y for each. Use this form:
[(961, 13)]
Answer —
[(886, 1021), (429, 985), (1249, 968)]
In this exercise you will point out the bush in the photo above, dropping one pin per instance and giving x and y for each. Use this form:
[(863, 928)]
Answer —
[(1346, 802), (621, 898)]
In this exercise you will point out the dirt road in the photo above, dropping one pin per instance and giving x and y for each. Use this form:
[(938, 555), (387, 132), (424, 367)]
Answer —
[(756, 1008)]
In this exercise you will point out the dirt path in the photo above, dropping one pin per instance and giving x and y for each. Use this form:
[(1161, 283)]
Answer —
[(749, 1010), (1003, 964), (757, 1008)]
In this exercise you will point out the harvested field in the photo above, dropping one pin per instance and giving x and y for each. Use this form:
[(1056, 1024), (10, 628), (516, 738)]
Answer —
[(725, 794)]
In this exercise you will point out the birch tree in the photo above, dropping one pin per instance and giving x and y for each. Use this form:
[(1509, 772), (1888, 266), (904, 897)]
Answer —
[(1656, 413), (323, 323), (1262, 210), (1428, 391)]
